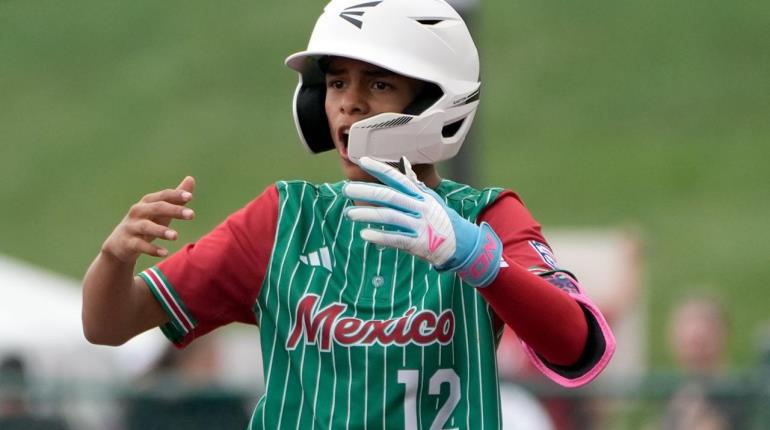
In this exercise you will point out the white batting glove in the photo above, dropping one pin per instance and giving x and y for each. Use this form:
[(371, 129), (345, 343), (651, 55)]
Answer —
[(418, 221)]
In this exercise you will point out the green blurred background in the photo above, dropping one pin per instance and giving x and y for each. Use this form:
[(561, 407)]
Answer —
[(650, 115)]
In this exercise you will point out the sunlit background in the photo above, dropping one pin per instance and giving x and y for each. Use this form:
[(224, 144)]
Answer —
[(637, 133)]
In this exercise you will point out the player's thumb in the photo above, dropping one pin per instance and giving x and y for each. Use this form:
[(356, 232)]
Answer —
[(187, 184)]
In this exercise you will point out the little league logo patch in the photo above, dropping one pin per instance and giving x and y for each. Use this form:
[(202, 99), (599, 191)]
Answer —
[(545, 253)]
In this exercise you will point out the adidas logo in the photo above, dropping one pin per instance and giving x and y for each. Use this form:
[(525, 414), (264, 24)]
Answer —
[(353, 16), (320, 258)]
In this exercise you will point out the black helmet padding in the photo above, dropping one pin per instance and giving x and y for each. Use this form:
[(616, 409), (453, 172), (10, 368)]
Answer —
[(311, 115)]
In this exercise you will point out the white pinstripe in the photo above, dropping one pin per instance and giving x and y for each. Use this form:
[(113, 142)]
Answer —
[(355, 313), (385, 373), (422, 357), (440, 309), (455, 192), (326, 288), (467, 345), (288, 303), (411, 287), (268, 378), (334, 362), (320, 303), (478, 352), (366, 351)]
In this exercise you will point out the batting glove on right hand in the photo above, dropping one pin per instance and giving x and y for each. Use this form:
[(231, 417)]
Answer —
[(418, 221)]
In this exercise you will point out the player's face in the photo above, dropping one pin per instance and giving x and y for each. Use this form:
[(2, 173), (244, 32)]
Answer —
[(356, 90)]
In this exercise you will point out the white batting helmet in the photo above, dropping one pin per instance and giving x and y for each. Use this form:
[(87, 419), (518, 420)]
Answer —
[(421, 39)]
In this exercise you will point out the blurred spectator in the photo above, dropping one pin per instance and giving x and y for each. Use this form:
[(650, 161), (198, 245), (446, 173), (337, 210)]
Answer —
[(182, 392), (15, 413), (698, 333)]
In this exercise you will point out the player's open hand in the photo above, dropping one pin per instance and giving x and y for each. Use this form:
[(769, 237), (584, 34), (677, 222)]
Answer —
[(417, 220), (149, 219)]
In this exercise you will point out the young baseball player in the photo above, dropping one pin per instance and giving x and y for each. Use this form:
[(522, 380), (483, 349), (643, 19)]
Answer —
[(380, 298)]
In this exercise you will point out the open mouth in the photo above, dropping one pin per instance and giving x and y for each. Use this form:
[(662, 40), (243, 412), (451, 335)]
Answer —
[(343, 135)]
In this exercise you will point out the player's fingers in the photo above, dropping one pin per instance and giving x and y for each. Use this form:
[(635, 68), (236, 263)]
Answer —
[(177, 196), (389, 176), (382, 196), (161, 209), (187, 184), (383, 216), (387, 238), (150, 230), (141, 246)]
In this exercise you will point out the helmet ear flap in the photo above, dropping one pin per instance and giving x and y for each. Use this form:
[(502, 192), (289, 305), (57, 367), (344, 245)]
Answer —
[(311, 117)]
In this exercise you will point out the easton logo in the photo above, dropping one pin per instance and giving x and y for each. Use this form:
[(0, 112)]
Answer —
[(324, 326), (353, 15), (434, 240)]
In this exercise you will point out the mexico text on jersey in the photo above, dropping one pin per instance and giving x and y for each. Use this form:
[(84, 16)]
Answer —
[(324, 326)]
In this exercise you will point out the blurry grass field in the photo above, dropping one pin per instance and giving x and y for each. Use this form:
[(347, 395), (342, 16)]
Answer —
[(653, 115)]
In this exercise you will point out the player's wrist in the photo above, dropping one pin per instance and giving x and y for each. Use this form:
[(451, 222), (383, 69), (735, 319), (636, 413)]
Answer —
[(481, 265), (113, 257)]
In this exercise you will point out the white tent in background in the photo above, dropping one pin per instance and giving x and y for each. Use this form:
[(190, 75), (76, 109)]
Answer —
[(40, 320), (40, 323)]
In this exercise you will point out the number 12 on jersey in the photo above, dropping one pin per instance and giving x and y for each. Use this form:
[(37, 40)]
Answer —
[(411, 380)]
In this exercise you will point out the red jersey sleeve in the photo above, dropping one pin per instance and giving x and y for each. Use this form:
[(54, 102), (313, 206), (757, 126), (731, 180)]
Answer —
[(216, 280), (522, 237), (563, 332)]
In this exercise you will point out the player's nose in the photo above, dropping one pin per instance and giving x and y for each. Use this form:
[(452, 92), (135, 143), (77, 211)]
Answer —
[(354, 101)]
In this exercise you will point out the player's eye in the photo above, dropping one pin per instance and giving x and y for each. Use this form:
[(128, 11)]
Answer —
[(381, 85), (335, 83)]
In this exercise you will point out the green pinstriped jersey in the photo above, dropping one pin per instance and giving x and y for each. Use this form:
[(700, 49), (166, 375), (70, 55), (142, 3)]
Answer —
[(363, 337)]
